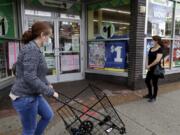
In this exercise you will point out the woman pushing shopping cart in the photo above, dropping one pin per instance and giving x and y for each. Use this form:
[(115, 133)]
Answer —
[(95, 115)]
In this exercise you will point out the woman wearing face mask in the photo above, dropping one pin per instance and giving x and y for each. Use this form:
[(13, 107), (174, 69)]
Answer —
[(154, 58), (31, 83)]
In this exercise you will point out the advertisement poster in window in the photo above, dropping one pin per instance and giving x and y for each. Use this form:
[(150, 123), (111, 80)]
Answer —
[(69, 63), (176, 54), (159, 15), (115, 54), (13, 51), (96, 54)]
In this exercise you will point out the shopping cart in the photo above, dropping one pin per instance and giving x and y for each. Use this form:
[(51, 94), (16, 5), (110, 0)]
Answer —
[(90, 112)]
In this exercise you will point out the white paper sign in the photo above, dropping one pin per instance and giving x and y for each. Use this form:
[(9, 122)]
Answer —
[(69, 62)]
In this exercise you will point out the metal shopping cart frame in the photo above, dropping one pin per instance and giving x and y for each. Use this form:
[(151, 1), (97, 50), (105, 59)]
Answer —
[(98, 118)]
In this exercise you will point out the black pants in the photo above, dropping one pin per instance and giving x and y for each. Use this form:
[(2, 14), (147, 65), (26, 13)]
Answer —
[(151, 79)]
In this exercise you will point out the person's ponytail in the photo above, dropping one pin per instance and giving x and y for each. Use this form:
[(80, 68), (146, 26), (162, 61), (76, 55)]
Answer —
[(27, 36)]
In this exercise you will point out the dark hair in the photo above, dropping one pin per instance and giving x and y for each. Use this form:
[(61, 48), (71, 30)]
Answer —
[(158, 40), (35, 31), (166, 42)]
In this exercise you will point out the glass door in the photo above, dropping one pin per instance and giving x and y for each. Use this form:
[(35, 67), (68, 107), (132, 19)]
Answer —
[(69, 42), (48, 49), (63, 53)]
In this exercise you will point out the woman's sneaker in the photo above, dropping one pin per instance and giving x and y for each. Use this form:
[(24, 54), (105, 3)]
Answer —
[(152, 100)]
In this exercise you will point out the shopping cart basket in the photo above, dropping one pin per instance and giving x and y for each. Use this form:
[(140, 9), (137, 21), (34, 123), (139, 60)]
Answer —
[(90, 112)]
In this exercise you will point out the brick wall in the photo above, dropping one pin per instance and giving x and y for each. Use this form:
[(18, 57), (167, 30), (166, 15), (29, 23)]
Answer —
[(136, 45)]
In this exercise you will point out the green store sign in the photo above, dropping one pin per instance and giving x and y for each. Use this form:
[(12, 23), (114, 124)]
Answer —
[(7, 19), (57, 4), (108, 4)]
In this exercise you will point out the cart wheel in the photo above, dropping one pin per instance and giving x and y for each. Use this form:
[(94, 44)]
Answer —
[(122, 130), (86, 127), (106, 119)]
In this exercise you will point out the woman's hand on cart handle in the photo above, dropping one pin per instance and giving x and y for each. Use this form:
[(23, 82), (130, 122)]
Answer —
[(56, 95)]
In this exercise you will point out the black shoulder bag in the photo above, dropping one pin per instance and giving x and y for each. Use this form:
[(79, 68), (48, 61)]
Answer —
[(159, 71)]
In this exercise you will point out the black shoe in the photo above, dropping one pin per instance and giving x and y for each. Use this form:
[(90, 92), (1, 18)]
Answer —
[(152, 100), (147, 96)]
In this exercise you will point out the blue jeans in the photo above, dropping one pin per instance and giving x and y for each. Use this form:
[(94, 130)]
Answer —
[(28, 108)]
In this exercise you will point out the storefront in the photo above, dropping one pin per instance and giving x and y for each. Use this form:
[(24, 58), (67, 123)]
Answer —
[(153, 17), (121, 51), (64, 55), (105, 39)]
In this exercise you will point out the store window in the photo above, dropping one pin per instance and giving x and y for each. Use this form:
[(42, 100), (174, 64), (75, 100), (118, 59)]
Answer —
[(108, 35), (108, 22), (161, 16), (9, 51), (9, 44), (176, 45), (160, 13), (177, 21)]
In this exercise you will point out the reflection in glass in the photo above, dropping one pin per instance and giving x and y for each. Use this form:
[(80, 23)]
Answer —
[(113, 20), (47, 49), (177, 21), (160, 18), (69, 40)]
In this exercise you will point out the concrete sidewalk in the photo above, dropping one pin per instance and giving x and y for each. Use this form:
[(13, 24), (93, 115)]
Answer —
[(141, 117), (158, 118)]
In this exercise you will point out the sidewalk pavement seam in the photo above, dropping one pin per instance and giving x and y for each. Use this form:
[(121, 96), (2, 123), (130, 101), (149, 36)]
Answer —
[(153, 133)]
